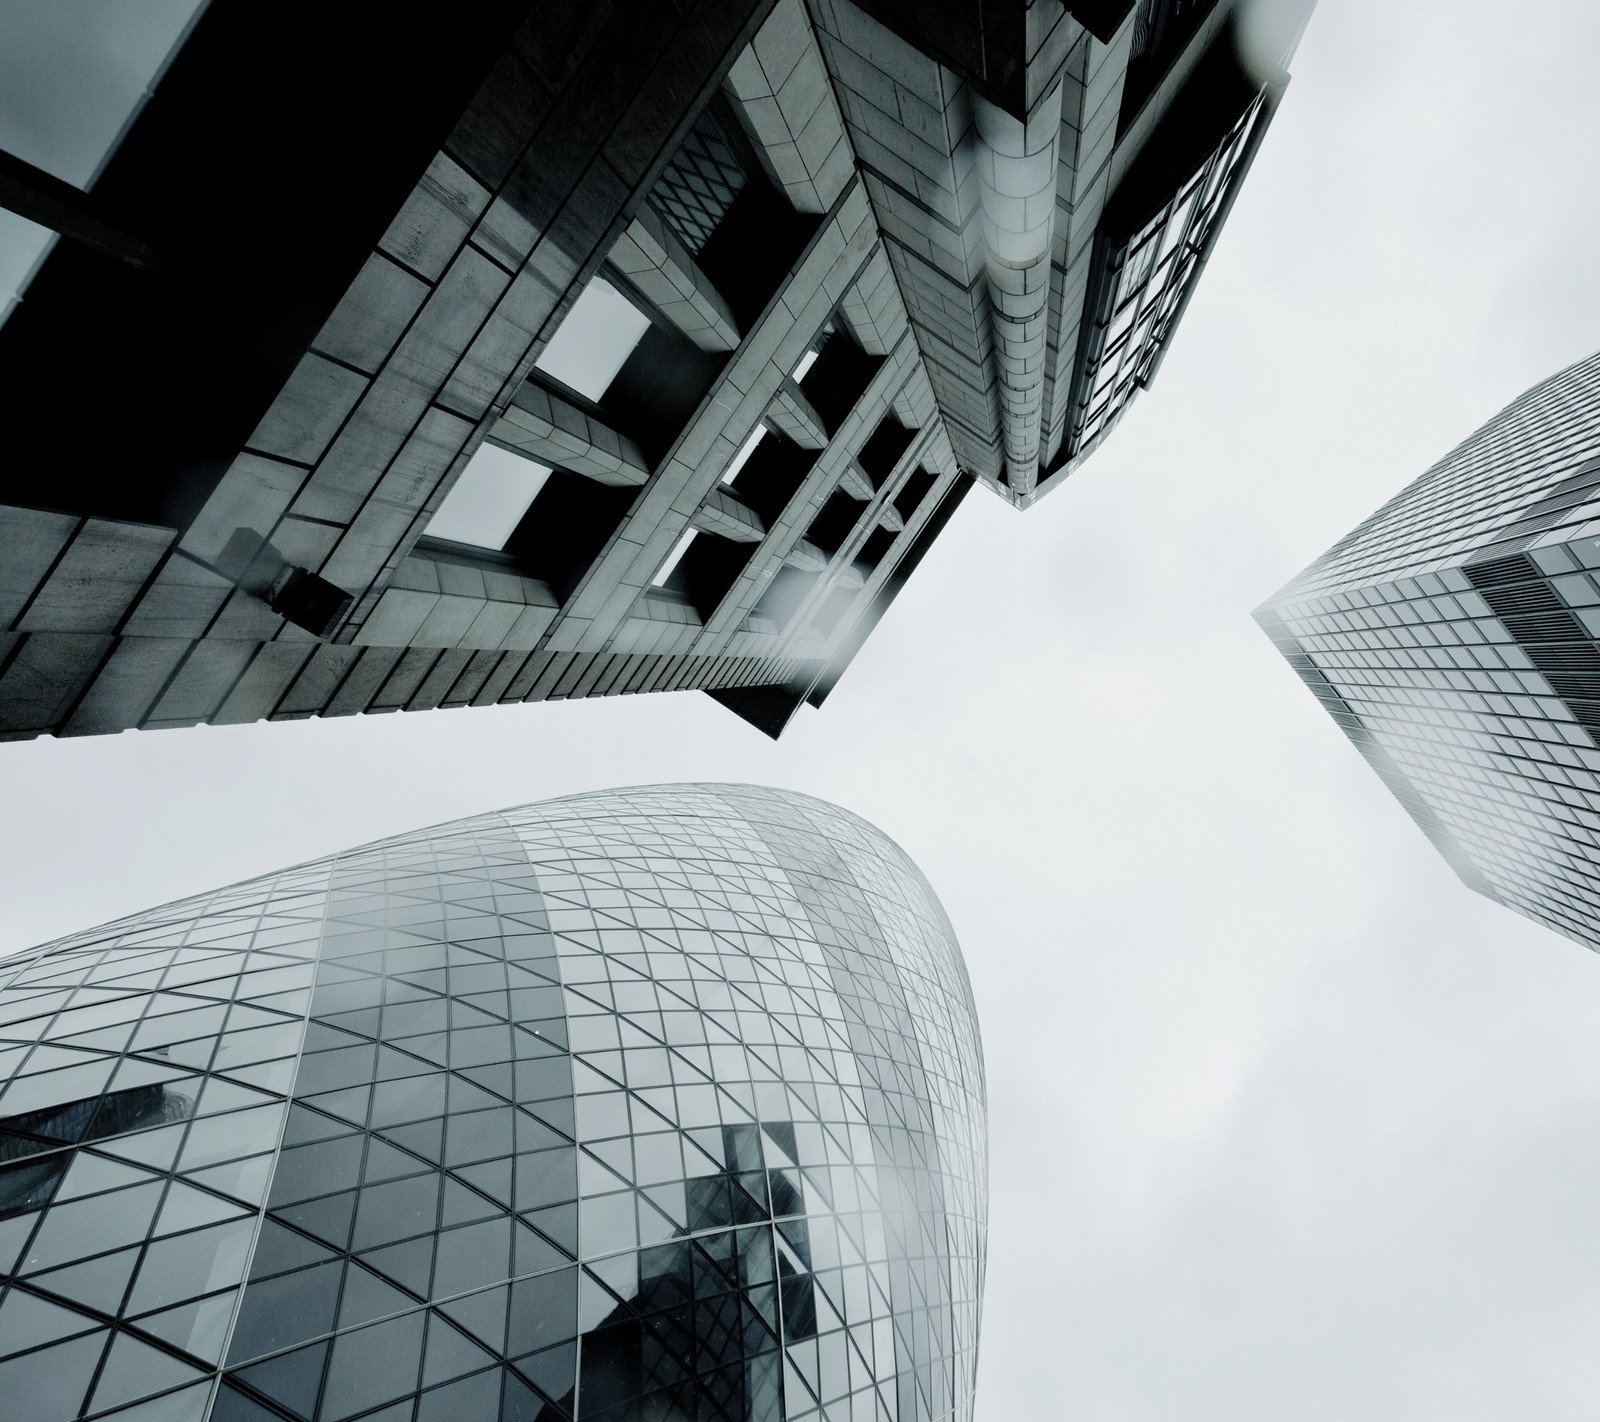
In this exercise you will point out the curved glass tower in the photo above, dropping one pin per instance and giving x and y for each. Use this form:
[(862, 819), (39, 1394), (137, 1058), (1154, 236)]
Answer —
[(657, 1104)]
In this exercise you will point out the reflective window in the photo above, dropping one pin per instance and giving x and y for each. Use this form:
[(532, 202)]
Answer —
[(547, 1143)]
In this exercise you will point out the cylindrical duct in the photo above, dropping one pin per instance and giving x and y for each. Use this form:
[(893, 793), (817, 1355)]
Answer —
[(1017, 193)]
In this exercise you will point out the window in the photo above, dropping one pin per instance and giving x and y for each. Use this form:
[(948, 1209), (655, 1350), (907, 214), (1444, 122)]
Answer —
[(666, 570), (595, 340), (745, 451), (70, 101), (834, 374), (489, 499)]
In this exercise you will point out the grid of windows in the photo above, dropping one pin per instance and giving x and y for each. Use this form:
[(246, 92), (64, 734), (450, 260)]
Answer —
[(648, 1104), (1453, 637), (1150, 277)]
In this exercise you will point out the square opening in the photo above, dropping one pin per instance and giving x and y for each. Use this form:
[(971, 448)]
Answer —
[(566, 528), (882, 451), (772, 474), (702, 570), (489, 500), (835, 522), (838, 376), (919, 484), (873, 550), (594, 341)]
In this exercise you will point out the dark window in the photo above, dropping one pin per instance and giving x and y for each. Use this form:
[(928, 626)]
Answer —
[(838, 377), (566, 527), (835, 522), (918, 485), (882, 451), (707, 571), (773, 474)]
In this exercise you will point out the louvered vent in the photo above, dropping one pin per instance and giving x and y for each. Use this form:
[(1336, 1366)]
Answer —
[(1569, 685), (1545, 627), (1515, 569), (1567, 657), (1509, 601)]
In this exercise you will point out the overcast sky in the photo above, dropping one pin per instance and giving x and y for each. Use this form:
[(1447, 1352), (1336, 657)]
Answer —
[(1286, 1124)]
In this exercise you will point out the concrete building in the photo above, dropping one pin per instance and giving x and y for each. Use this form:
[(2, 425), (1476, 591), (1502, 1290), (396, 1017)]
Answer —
[(611, 348), (649, 1104), (1455, 638)]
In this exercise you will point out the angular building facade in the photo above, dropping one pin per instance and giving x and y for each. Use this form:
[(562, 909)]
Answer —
[(1455, 638), (605, 348), (649, 1104)]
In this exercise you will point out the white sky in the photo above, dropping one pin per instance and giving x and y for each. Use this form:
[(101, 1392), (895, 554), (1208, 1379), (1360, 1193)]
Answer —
[(1286, 1124)]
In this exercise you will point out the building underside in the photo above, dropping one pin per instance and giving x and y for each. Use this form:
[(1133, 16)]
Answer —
[(602, 349)]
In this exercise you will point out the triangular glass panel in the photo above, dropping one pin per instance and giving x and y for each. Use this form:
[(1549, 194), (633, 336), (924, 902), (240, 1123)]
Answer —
[(307, 1125), (327, 1219), (187, 1208), (409, 1264), (274, 1076), (462, 1206), (221, 1095), (243, 1179), (468, 1096), (134, 1370), (91, 1173), (476, 1396), (493, 1177), (290, 1380), (350, 1104), (279, 1249), (199, 1328), (450, 1353), (389, 1162), (363, 1021), (26, 1321), (430, 1046), (426, 1138), (482, 1314), (99, 1283), (532, 1251), (554, 1373), (188, 1405), (558, 1223), (14, 1233), (367, 1297)]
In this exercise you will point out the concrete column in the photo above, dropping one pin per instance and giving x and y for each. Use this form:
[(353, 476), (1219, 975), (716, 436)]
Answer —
[(656, 262)]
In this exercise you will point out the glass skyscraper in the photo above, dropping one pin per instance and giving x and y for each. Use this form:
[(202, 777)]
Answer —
[(1455, 638), (649, 1104)]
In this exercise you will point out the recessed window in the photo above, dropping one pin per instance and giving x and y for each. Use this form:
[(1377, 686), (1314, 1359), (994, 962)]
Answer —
[(808, 360), (597, 337), (489, 499), (745, 451), (75, 75), (675, 557)]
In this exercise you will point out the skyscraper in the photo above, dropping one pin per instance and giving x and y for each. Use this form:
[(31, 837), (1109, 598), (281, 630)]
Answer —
[(662, 1103), (1455, 638), (595, 348)]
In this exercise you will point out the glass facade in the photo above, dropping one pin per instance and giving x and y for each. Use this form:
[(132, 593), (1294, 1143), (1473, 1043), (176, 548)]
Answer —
[(1455, 638), (1148, 280), (661, 1103)]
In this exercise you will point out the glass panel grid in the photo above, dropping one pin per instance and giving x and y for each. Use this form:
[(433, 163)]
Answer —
[(651, 1103)]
